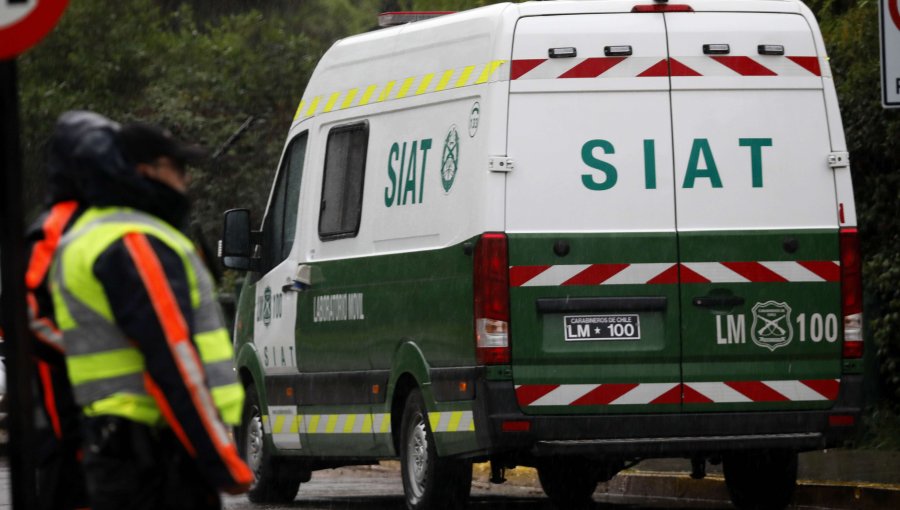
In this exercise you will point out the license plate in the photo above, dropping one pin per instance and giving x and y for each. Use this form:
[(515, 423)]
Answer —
[(602, 327)]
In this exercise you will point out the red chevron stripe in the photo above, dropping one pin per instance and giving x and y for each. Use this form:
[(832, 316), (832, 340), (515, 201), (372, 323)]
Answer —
[(669, 276), (688, 275), (596, 274), (756, 391), (754, 271), (672, 396), (520, 275), (811, 64), (526, 394), (692, 396), (828, 388), (603, 394), (523, 66), (827, 270), (679, 69), (592, 67), (745, 66), (660, 68)]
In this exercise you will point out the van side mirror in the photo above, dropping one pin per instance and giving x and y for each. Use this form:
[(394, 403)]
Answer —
[(236, 246)]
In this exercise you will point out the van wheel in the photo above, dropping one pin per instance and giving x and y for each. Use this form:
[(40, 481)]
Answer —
[(429, 481), (569, 482), (274, 480), (760, 480)]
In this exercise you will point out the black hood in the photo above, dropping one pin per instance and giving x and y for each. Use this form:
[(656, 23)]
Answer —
[(83, 144)]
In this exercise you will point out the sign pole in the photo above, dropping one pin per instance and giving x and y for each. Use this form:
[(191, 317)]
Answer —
[(12, 265)]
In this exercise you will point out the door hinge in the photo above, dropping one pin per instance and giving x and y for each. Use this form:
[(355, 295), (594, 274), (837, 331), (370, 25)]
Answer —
[(839, 160), (501, 164)]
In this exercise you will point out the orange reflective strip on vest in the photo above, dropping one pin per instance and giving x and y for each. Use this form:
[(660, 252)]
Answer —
[(46, 378), (183, 352), (42, 254)]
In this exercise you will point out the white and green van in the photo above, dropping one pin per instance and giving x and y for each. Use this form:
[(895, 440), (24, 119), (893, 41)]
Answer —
[(568, 235)]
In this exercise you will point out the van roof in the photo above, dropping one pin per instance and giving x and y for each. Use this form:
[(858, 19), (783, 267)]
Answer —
[(459, 49)]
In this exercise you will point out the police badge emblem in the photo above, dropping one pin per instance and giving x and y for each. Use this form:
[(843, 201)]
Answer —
[(771, 325)]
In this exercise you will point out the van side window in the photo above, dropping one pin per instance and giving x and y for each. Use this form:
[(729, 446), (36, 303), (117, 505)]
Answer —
[(342, 189), (280, 225)]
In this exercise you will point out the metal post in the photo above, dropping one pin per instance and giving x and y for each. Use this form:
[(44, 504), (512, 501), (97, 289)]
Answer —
[(12, 297)]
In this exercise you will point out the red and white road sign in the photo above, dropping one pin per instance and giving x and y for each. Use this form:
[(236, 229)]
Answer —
[(23, 23), (890, 53)]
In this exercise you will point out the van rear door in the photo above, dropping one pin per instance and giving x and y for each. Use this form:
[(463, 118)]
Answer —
[(756, 213), (590, 217)]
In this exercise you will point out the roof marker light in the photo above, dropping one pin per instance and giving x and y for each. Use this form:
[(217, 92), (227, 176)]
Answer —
[(716, 49), (562, 52), (770, 49), (617, 51), (391, 19)]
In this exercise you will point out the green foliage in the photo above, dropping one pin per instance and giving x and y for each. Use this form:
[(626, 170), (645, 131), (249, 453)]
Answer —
[(850, 30), (203, 76)]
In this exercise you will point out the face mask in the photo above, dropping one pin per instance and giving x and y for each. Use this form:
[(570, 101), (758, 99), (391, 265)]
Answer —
[(167, 204)]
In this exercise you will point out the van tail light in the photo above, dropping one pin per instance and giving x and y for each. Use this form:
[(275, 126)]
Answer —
[(851, 293), (662, 7), (491, 283)]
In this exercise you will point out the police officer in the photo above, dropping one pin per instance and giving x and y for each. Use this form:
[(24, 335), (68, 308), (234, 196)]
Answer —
[(148, 357), (80, 139)]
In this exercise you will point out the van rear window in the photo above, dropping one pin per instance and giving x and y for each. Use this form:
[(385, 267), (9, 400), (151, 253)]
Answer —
[(342, 189)]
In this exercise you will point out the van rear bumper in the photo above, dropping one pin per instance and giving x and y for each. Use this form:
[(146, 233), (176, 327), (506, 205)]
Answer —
[(661, 435)]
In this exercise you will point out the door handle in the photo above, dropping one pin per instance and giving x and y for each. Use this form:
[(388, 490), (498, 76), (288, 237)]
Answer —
[(718, 301), (294, 286)]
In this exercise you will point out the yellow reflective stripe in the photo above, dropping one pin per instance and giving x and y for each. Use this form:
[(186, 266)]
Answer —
[(367, 95), (299, 111), (139, 408), (313, 423), (454, 421), (387, 91), (279, 424), (331, 100), (331, 424), (489, 70), (348, 101), (214, 346), (434, 420), (349, 422), (265, 420), (64, 319), (426, 81), (464, 77), (295, 424), (229, 400), (404, 88), (445, 79), (313, 105), (104, 365), (367, 423)]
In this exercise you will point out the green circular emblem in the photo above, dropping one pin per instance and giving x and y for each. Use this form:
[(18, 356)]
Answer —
[(450, 159), (267, 306)]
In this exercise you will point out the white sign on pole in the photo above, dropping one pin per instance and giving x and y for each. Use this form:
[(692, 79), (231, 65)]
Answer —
[(890, 53)]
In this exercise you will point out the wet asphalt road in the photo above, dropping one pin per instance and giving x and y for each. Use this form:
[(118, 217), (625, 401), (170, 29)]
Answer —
[(380, 488)]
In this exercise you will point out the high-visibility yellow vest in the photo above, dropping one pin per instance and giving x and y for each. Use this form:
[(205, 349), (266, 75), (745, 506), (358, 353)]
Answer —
[(106, 370)]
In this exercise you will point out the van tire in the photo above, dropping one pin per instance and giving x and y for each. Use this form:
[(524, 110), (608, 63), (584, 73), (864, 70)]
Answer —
[(760, 480), (569, 482), (275, 481), (429, 481)]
